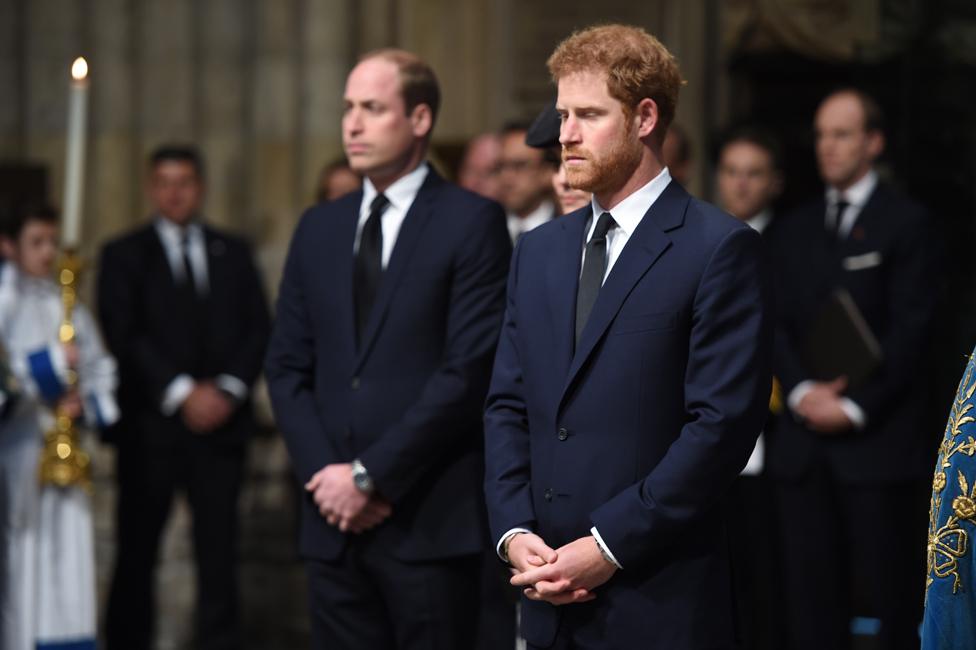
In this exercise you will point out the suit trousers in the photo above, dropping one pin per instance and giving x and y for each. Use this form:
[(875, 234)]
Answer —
[(851, 550), (368, 599), (148, 479)]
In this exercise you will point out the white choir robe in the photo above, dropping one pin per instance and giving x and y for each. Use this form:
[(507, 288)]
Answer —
[(48, 531)]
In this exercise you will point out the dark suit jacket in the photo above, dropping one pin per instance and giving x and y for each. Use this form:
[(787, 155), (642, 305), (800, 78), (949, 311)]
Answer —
[(642, 430), (150, 330), (408, 401), (897, 293)]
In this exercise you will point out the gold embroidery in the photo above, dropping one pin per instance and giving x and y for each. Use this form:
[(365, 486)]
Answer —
[(949, 543)]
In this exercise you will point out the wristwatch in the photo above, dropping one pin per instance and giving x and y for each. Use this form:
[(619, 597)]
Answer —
[(361, 478)]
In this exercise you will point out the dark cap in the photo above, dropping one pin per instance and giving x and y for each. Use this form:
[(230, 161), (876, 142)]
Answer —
[(544, 132)]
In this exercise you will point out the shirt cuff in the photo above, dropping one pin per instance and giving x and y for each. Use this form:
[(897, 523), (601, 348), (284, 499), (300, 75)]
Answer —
[(501, 541), (176, 393), (232, 385), (798, 393), (604, 547), (854, 413)]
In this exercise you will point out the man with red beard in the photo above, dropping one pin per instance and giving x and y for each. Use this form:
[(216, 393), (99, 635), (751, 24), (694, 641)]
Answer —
[(631, 379)]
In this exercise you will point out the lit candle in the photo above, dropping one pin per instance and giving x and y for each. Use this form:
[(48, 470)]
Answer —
[(74, 168)]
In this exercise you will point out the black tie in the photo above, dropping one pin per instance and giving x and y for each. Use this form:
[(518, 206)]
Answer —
[(369, 263), (190, 277), (839, 210), (594, 266)]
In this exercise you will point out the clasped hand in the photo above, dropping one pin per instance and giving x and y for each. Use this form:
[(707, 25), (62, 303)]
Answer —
[(561, 576), (821, 408), (342, 503)]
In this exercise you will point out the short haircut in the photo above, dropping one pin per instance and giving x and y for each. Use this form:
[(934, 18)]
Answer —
[(754, 135), (14, 221), (178, 153), (418, 83), (874, 121), (637, 66), (515, 126)]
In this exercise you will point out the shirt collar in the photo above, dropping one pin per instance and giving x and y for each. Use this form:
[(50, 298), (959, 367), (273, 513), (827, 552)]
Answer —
[(858, 193), (629, 212), (760, 220), (173, 234), (403, 190), (537, 217)]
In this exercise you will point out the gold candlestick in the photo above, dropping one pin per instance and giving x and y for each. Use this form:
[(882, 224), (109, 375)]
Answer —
[(63, 462)]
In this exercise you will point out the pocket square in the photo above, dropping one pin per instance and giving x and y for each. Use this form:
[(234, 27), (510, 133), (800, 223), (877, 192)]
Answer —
[(861, 262)]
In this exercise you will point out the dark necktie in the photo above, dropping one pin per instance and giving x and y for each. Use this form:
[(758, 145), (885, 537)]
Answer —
[(594, 266), (839, 209), (189, 278), (369, 263)]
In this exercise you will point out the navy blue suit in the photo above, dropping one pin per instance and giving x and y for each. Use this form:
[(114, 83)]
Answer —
[(408, 401), (642, 430)]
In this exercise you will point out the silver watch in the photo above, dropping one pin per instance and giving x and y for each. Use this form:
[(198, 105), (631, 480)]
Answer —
[(361, 478)]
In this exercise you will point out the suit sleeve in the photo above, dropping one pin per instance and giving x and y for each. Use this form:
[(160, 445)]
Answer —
[(912, 296), (118, 294), (290, 370), (453, 396), (727, 384), (508, 482), (246, 364)]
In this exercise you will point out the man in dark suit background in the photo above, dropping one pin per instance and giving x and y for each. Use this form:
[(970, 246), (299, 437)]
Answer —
[(845, 457), (748, 180), (183, 310), (632, 376), (387, 320), (525, 182)]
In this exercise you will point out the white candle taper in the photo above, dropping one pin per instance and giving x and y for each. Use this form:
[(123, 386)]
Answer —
[(74, 169)]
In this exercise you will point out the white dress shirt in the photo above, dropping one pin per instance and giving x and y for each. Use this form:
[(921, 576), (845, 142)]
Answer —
[(517, 226), (856, 196), (400, 195), (761, 220), (627, 214), (172, 236)]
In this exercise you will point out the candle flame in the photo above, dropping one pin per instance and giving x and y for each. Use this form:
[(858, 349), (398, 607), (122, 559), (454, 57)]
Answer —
[(79, 69)]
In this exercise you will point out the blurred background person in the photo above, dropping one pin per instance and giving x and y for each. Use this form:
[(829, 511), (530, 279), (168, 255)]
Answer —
[(480, 166), (748, 181), (748, 178), (847, 453), (50, 592), (677, 154), (337, 179), (526, 182), (183, 310)]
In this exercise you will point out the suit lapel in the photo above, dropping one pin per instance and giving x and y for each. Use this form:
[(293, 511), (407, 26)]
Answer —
[(344, 254), (645, 246), (562, 278), (406, 242)]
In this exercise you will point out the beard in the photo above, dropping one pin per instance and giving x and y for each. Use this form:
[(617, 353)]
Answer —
[(607, 173)]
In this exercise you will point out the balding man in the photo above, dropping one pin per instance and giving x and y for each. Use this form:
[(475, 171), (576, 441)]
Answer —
[(845, 453)]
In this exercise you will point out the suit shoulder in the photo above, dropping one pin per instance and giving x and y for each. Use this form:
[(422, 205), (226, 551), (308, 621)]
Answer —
[(900, 206), (466, 201), (710, 222), (131, 240)]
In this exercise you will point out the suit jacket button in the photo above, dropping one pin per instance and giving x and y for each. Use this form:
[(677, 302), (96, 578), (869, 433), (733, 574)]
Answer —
[(548, 494), (563, 434), (355, 383)]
